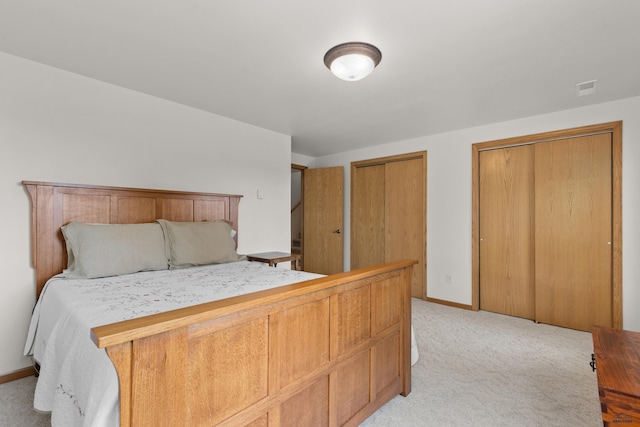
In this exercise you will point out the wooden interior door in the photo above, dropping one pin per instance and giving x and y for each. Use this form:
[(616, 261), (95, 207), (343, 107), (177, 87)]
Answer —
[(368, 216), (405, 234), (507, 231), (388, 213), (323, 220), (573, 222)]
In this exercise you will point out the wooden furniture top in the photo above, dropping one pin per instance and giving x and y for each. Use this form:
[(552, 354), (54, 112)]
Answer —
[(617, 354), (272, 257), (54, 205)]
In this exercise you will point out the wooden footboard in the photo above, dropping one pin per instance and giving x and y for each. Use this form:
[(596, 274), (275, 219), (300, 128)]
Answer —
[(326, 352)]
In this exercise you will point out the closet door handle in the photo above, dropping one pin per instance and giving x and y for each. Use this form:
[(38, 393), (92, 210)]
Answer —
[(337, 231)]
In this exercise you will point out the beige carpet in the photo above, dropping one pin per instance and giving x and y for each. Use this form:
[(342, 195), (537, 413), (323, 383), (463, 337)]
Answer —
[(475, 369), (486, 369), (16, 405)]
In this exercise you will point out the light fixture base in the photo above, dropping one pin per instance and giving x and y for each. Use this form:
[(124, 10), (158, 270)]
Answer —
[(363, 56)]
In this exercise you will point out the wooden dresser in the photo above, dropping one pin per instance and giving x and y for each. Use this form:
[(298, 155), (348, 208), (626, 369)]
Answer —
[(617, 357)]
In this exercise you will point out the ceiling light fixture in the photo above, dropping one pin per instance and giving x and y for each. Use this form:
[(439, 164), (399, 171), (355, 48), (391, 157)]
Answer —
[(352, 61)]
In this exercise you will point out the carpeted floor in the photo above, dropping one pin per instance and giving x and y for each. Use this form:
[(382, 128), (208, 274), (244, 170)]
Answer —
[(16, 405), (486, 369), (475, 369)]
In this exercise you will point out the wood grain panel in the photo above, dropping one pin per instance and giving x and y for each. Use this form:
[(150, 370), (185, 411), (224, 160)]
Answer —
[(122, 357), (236, 380), (209, 210), (159, 378), (76, 207), (367, 216), (135, 210), (507, 231), (385, 361), (352, 389), (353, 320), (307, 408), (53, 249), (176, 210), (386, 296), (86, 208), (573, 220), (263, 421), (300, 341)]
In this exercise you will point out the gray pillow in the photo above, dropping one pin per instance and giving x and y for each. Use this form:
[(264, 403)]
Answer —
[(101, 250), (198, 243)]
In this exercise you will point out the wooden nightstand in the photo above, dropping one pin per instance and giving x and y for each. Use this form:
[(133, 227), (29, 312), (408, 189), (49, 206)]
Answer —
[(273, 258)]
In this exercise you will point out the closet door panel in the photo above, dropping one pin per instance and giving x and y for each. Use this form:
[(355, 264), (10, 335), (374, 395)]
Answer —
[(506, 231), (367, 216), (573, 228), (405, 217)]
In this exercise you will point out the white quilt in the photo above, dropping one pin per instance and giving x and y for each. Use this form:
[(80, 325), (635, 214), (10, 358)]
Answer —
[(78, 382)]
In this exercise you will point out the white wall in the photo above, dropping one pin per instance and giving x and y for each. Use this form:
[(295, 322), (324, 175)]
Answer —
[(60, 127), (302, 160), (449, 194)]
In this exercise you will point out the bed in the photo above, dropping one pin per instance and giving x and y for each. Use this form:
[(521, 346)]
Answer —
[(310, 351)]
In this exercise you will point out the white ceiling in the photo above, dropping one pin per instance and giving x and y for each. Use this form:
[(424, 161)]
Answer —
[(446, 64)]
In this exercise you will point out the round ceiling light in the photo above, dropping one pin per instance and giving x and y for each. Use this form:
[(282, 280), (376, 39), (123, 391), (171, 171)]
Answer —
[(352, 61)]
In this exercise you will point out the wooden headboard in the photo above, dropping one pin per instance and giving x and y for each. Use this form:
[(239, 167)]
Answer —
[(55, 205)]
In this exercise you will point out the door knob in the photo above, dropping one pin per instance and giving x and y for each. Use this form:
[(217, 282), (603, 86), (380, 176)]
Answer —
[(337, 231)]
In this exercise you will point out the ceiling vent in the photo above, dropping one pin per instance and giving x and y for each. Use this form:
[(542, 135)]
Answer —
[(587, 88)]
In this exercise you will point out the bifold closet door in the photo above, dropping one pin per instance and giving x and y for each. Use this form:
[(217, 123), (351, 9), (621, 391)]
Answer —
[(388, 216), (405, 217), (506, 231), (573, 229)]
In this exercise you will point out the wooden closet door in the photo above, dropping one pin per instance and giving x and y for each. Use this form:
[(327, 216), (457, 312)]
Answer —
[(388, 213), (573, 223), (405, 234), (506, 231), (368, 217)]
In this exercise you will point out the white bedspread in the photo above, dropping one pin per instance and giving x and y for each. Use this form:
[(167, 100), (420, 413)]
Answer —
[(78, 382)]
